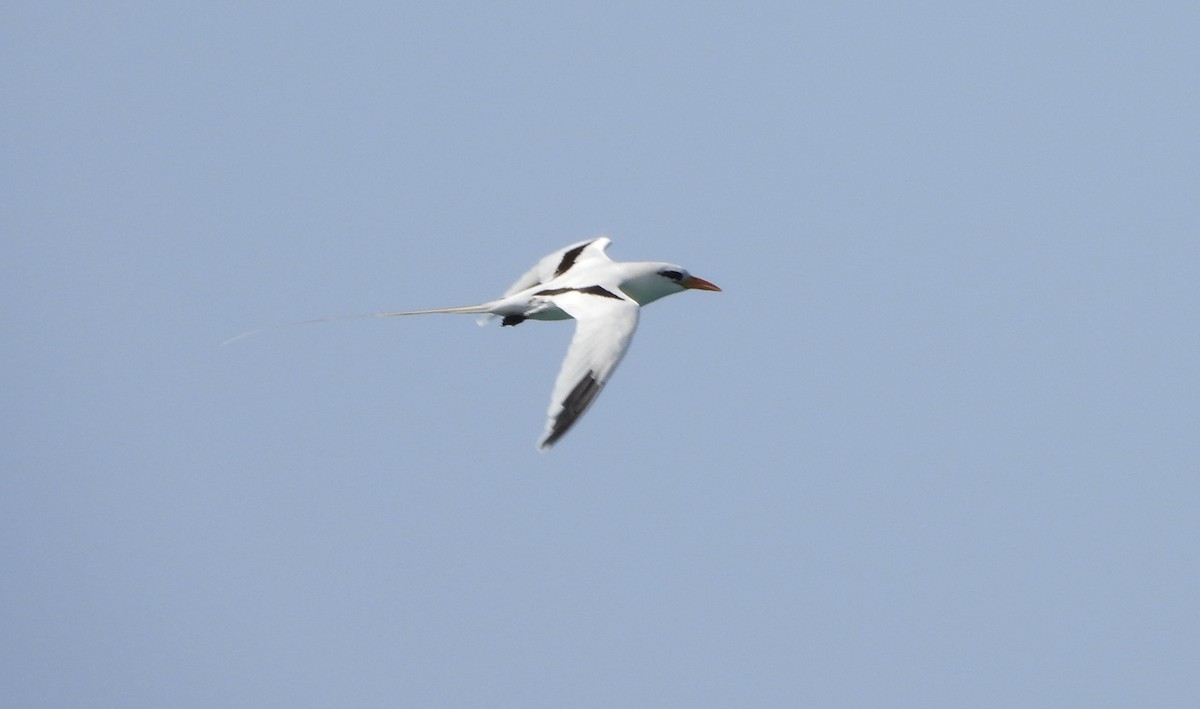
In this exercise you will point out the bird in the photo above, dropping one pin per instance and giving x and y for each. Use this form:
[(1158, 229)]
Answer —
[(604, 297)]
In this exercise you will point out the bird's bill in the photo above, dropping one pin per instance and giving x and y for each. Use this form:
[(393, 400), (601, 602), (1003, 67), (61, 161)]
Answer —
[(699, 284)]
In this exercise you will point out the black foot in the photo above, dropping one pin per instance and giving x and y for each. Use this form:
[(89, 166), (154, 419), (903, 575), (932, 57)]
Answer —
[(510, 320)]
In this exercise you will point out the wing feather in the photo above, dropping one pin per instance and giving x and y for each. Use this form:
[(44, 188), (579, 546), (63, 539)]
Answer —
[(559, 262), (604, 327)]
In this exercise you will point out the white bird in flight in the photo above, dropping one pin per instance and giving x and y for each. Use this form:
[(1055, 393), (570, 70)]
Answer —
[(604, 298)]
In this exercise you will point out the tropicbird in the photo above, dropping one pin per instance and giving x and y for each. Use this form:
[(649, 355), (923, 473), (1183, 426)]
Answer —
[(604, 298)]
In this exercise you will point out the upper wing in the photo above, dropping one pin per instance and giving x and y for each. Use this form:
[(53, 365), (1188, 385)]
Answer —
[(560, 262), (604, 326)]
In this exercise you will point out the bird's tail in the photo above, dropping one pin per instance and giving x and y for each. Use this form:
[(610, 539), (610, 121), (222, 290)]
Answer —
[(481, 308)]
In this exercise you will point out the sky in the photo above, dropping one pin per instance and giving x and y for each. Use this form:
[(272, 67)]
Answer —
[(935, 443)]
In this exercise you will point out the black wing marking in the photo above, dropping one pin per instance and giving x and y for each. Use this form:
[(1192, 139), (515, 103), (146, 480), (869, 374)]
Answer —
[(568, 259), (580, 398), (553, 265), (590, 290)]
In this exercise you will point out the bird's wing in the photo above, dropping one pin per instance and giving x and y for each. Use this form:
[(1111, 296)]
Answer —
[(561, 261), (604, 326)]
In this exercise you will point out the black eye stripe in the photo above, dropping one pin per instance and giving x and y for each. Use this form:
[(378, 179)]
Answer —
[(673, 275)]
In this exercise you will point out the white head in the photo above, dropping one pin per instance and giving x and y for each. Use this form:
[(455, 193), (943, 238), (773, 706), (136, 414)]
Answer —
[(651, 281)]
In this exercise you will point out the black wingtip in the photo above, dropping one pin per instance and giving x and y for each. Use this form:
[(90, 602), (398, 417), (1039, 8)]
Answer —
[(578, 401)]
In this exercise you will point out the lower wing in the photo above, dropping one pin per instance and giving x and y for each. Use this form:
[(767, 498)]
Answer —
[(604, 327)]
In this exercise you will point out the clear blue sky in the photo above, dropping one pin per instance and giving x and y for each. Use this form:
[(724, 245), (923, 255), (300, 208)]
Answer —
[(936, 444)]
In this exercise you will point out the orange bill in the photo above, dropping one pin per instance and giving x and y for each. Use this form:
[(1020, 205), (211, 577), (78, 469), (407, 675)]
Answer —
[(699, 284)]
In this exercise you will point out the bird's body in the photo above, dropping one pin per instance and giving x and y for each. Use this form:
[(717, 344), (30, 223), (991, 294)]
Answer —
[(603, 296), (582, 267)]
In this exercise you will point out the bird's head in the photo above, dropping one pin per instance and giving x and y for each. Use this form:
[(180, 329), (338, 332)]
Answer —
[(658, 280)]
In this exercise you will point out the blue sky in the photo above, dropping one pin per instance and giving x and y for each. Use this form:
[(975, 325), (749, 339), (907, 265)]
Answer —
[(934, 445)]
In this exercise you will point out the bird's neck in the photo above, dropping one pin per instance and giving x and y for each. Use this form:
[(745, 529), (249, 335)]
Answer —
[(642, 283)]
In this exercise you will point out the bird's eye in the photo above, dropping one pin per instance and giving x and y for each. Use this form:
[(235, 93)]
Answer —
[(673, 275)]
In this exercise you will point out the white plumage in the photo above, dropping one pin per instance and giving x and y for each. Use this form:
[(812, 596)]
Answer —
[(603, 296)]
